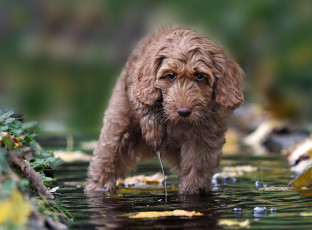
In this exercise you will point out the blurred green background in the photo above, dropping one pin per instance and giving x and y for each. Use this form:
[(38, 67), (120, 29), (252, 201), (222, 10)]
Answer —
[(60, 59)]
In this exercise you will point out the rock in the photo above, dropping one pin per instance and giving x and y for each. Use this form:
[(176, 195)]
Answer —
[(277, 142)]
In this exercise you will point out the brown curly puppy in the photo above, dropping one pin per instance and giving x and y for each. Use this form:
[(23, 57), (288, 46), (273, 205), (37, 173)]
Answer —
[(175, 95)]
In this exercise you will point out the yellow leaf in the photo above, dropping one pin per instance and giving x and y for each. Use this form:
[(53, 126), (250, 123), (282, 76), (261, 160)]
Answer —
[(303, 180), (306, 214), (186, 213), (155, 214), (229, 222), (140, 180), (14, 208)]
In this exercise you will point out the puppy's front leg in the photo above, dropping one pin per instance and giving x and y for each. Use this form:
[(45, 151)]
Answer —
[(198, 164), (102, 169)]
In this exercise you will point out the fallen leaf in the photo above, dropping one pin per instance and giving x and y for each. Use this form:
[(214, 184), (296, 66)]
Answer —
[(155, 214), (273, 188), (14, 209), (146, 189), (231, 223), (305, 214), (142, 180), (303, 180), (235, 171), (72, 156)]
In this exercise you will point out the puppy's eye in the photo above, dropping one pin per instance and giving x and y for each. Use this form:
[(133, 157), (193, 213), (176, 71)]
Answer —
[(172, 76), (199, 76)]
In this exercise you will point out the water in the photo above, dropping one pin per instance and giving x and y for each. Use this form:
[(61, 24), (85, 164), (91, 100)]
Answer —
[(231, 199), (163, 172)]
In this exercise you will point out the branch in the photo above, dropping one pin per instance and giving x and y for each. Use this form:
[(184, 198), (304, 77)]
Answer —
[(30, 174)]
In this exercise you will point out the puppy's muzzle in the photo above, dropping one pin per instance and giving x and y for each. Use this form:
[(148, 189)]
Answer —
[(184, 111)]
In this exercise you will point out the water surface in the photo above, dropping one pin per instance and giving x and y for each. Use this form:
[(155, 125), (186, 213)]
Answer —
[(228, 196)]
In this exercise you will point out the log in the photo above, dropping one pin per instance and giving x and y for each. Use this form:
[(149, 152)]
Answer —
[(30, 174)]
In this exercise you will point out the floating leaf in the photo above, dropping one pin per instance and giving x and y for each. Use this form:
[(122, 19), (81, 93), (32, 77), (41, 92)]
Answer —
[(306, 214), (273, 188), (14, 209), (155, 214), (303, 180), (234, 223), (140, 180)]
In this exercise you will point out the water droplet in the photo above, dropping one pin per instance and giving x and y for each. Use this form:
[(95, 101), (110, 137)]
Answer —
[(258, 184), (237, 210), (260, 209)]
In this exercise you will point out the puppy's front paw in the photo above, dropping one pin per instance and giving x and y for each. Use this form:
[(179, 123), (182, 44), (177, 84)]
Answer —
[(108, 188), (191, 188)]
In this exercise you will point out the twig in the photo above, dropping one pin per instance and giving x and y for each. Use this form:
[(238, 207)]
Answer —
[(30, 174), (261, 175)]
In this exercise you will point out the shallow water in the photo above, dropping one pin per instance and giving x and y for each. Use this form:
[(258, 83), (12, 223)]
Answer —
[(240, 193)]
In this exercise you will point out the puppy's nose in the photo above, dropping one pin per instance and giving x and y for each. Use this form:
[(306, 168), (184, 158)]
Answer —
[(184, 111)]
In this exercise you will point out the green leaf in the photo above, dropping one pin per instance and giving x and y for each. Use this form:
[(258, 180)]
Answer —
[(56, 163), (6, 115), (17, 123), (23, 184), (29, 125), (9, 120), (4, 128), (7, 142), (15, 131), (46, 180)]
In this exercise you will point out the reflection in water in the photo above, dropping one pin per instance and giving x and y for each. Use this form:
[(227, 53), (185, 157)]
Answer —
[(111, 212), (230, 200)]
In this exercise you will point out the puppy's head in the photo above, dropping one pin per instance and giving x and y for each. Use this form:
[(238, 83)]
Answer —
[(189, 73)]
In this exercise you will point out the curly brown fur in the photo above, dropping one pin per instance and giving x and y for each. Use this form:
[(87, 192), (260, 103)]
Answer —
[(175, 95)]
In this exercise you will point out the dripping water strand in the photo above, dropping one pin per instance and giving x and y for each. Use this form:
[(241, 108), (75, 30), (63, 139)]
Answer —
[(163, 172)]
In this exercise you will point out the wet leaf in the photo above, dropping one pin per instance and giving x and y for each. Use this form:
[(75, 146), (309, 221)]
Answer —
[(155, 214), (235, 171), (234, 223), (140, 180), (306, 214), (303, 180), (14, 209), (146, 189), (275, 188)]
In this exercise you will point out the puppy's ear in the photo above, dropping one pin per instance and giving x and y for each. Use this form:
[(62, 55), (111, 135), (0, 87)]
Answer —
[(227, 89), (144, 90)]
